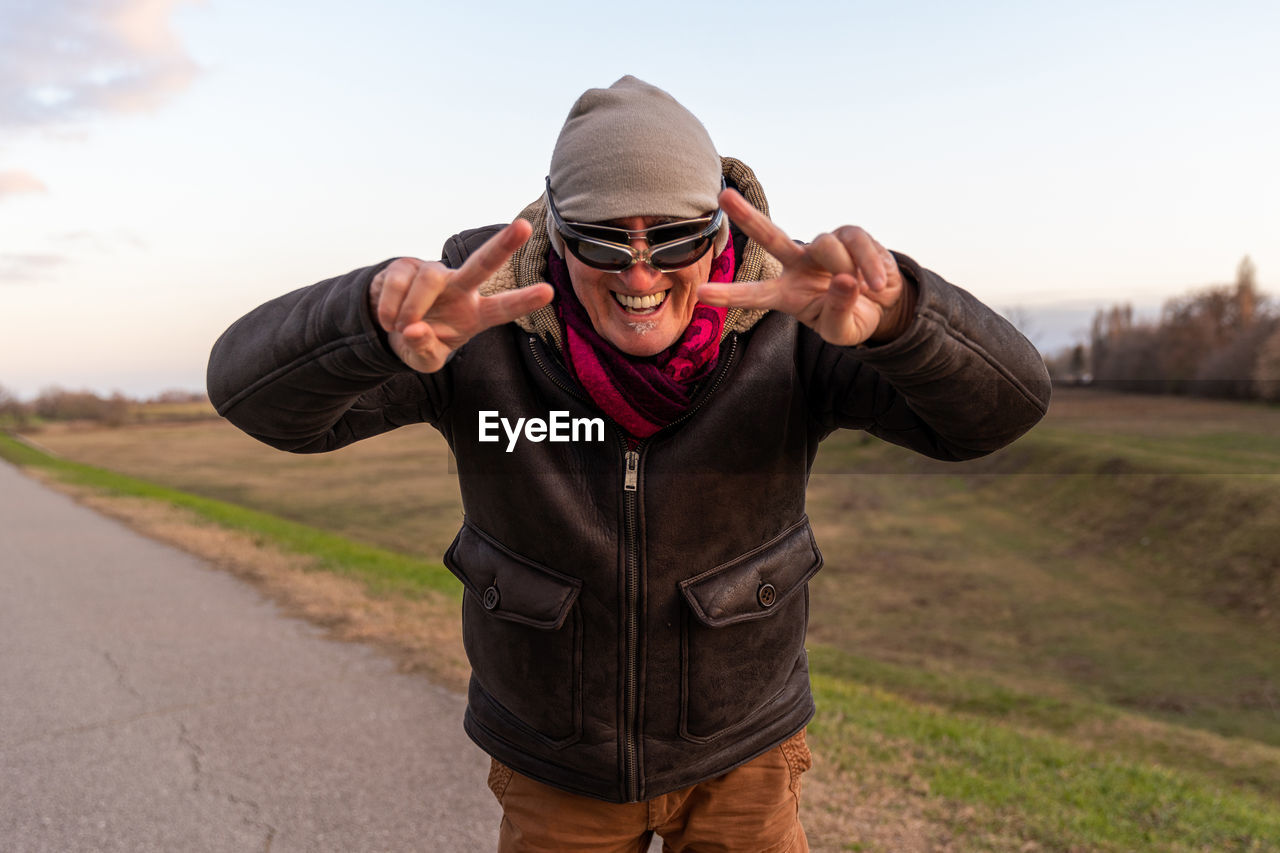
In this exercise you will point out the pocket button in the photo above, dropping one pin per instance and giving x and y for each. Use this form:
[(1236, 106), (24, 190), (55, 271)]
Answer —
[(766, 595), (490, 598)]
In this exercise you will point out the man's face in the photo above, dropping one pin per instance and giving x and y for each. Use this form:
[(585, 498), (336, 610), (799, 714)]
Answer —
[(639, 330)]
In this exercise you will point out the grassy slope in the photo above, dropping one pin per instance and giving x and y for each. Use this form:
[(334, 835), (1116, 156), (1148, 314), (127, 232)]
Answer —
[(995, 576), (980, 639)]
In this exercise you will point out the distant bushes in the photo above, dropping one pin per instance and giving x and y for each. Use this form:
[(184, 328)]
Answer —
[(1223, 341), (55, 404), (59, 404)]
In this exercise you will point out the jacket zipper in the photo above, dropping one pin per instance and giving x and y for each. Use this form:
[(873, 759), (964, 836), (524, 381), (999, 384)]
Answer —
[(630, 500), (537, 356), (631, 592), (631, 578), (631, 581)]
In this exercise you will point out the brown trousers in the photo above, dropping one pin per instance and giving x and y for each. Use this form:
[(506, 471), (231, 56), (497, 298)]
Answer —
[(751, 809)]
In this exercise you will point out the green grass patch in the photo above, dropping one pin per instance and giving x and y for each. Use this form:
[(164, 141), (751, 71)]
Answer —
[(961, 692), (1235, 764), (385, 573), (1025, 785)]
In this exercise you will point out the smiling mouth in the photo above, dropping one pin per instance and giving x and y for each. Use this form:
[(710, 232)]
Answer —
[(640, 304)]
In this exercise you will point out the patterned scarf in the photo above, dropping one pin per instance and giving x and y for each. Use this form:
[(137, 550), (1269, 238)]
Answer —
[(642, 394)]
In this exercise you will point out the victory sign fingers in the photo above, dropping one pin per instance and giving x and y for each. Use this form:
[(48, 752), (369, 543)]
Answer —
[(844, 285), (429, 310)]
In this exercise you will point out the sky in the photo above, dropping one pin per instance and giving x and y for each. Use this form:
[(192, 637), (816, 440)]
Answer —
[(167, 165)]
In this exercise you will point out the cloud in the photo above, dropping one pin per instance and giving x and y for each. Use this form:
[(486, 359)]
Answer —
[(60, 249), (103, 242), (18, 267), (66, 61), (16, 182)]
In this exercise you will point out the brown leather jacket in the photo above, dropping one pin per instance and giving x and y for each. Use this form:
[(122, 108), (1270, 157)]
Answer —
[(635, 620)]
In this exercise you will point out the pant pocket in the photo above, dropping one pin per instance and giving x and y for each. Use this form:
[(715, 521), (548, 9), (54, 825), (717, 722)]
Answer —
[(795, 750), (499, 778)]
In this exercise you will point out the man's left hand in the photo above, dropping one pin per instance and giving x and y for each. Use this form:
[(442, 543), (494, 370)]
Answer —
[(844, 285)]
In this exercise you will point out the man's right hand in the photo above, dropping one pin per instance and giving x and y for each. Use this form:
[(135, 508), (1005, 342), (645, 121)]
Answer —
[(429, 310)]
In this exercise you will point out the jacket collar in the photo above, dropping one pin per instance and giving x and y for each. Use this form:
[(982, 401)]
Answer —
[(529, 264)]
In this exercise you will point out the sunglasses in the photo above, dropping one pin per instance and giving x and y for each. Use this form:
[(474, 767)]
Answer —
[(670, 246)]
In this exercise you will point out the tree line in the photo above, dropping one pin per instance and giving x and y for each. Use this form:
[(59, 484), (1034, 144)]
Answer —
[(1222, 341), (116, 409)]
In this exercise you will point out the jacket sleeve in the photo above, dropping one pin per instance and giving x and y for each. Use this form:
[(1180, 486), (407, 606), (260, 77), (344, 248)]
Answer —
[(311, 371), (959, 383)]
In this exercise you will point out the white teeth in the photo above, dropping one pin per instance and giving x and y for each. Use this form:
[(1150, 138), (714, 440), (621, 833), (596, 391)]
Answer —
[(640, 303)]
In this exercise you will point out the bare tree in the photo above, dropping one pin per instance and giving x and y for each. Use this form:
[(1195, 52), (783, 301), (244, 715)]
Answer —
[(1023, 321), (1207, 342), (14, 414), (1266, 373)]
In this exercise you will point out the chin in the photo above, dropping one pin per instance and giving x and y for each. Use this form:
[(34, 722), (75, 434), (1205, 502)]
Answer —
[(641, 341)]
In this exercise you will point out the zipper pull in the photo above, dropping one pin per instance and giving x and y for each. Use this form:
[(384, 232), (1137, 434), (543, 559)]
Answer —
[(633, 471)]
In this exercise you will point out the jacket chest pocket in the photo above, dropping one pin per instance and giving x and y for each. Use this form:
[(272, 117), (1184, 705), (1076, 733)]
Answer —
[(742, 638), (522, 635)]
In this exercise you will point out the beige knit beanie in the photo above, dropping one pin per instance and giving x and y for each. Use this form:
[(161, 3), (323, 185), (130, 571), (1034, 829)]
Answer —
[(632, 150)]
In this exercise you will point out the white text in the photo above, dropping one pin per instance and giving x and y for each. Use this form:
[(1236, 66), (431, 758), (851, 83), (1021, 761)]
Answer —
[(559, 427)]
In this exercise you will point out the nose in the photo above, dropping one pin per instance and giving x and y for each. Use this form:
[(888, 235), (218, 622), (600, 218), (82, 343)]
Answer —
[(639, 278)]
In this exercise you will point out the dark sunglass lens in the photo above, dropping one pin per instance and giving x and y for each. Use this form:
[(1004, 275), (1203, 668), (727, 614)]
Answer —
[(675, 231), (681, 254), (601, 257)]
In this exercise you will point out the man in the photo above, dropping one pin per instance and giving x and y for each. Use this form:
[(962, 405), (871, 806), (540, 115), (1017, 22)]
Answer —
[(636, 599)]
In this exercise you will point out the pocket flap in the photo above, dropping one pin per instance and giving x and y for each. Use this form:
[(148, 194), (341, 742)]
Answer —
[(757, 583), (508, 585)]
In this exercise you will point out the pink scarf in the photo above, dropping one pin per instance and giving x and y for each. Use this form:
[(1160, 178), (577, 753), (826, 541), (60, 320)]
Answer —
[(642, 394)]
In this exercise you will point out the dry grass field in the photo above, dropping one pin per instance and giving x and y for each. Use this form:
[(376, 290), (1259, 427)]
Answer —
[(1112, 579)]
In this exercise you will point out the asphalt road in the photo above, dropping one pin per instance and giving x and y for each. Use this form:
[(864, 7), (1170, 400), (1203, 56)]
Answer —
[(151, 703)]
